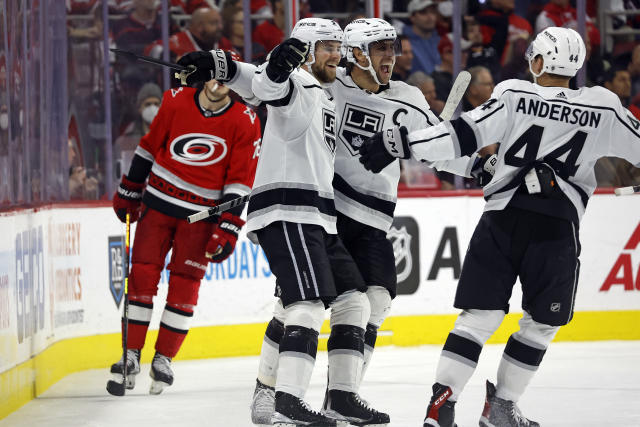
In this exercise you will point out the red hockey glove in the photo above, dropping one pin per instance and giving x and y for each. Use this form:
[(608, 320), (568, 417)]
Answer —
[(223, 240), (127, 199)]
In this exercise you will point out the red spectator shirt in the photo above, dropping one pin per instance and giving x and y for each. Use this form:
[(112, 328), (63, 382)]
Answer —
[(268, 35), (198, 156), (182, 43), (518, 28), (554, 15)]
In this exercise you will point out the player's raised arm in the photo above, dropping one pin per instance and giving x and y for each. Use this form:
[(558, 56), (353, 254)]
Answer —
[(625, 136)]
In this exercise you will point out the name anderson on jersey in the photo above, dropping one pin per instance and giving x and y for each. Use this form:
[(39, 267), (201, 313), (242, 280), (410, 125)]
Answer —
[(561, 113)]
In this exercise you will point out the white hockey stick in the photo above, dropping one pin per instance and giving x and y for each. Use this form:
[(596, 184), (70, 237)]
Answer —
[(455, 96), (625, 191), (218, 209)]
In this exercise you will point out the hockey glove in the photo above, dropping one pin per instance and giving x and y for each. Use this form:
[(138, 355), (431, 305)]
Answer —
[(127, 199), (484, 168), (223, 240), (379, 151), (286, 57), (216, 64)]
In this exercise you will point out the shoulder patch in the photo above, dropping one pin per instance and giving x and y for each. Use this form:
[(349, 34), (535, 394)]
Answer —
[(174, 92)]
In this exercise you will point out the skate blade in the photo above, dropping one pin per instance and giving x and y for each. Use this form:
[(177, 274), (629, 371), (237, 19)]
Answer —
[(279, 420), (484, 422), (157, 387)]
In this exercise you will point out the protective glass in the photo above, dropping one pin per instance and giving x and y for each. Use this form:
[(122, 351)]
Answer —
[(385, 48), (329, 46)]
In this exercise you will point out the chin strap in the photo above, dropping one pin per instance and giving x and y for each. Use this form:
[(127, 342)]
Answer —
[(370, 69), (535, 76)]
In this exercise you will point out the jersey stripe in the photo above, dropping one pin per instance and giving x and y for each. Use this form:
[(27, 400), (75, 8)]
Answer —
[(384, 206)]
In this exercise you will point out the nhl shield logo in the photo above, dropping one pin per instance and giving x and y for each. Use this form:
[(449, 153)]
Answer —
[(357, 125), (405, 239), (116, 268)]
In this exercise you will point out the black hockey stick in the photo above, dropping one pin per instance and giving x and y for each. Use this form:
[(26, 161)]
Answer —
[(217, 209), (624, 191), (114, 387), (183, 71)]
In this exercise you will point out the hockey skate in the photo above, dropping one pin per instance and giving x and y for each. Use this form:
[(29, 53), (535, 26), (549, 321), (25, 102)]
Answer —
[(133, 369), (160, 373), (263, 404), (502, 413), (293, 411), (349, 409), (441, 411)]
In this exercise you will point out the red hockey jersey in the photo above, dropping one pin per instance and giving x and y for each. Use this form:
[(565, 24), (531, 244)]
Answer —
[(198, 156)]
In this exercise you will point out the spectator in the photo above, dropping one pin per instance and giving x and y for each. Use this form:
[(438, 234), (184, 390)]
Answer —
[(203, 33), (634, 71), (487, 55), (480, 88), (423, 35), (187, 7), (425, 83), (443, 75), (618, 80), (233, 31), (559, 13), (140, 28), (519, 29), (147, 105), (402, 68), (80, 186), (270, 33)]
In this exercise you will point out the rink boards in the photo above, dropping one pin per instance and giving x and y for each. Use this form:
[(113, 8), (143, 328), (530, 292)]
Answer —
[(61, 271)]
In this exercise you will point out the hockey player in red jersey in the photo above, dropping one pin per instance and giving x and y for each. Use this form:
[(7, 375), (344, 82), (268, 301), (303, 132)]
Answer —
[(201, 150)]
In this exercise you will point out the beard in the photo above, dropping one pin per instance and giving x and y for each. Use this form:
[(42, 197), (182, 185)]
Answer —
[(324, 74)]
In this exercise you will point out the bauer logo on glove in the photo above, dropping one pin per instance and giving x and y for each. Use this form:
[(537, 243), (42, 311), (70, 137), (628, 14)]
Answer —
[(224, 238)]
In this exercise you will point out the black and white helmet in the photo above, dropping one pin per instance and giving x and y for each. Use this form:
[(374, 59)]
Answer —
[(562, 50), (313, 30), (361, 33)]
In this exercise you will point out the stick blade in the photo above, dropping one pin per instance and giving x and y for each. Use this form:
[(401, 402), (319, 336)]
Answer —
[(115, 388), (455, 96)]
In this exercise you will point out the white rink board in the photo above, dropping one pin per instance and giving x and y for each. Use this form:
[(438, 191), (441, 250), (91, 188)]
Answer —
[(55, 270)]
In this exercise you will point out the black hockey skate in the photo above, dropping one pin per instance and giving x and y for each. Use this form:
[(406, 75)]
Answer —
[(263, 404), (502, 413), (133, 369), (161, 373), (441, 411), (349, 408), (292, 411)]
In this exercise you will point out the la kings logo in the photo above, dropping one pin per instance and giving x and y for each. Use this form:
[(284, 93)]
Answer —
[(329, 124), (405, 239), (357, 125)]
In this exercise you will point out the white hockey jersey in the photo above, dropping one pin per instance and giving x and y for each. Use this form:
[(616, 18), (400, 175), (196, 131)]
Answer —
[(566, 129), (362, 195), (295, 170)]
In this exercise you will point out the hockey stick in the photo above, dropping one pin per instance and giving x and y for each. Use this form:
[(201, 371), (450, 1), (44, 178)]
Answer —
[(455, 96), (217, 209), (183, 71), (114, 387), (625, 191)]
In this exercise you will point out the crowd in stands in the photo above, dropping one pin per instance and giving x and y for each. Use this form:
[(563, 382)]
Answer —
[(496, 34)]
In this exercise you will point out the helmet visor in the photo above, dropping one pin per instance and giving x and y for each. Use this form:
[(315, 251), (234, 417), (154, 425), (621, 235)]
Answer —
[(329, 46), (529, 55), (385, 48)]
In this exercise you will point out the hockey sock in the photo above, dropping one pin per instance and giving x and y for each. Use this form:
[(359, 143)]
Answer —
[(522, 356), (298, 349), (174, 326), (370, 337), (270, 353), (139, 318), (346, 354)]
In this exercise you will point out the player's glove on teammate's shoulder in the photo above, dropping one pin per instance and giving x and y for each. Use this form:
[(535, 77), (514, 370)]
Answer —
[(484, 168), (223, 240), (379, 151), (127, 199), (286, 57), (215, 64)]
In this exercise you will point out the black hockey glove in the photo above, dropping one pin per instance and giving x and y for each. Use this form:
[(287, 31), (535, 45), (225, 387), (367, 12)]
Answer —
[(484, 168), (286, 57), (379, 151), (216, 64)]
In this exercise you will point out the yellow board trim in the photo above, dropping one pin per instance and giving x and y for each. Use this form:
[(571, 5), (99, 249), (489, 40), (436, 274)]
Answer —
[(22, 383)]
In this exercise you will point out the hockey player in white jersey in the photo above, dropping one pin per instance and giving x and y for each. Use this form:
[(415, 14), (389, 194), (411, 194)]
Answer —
[(292, 212), (550, 138)]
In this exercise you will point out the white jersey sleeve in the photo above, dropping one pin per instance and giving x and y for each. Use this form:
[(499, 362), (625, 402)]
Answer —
[(241, 82), (624, 141)]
